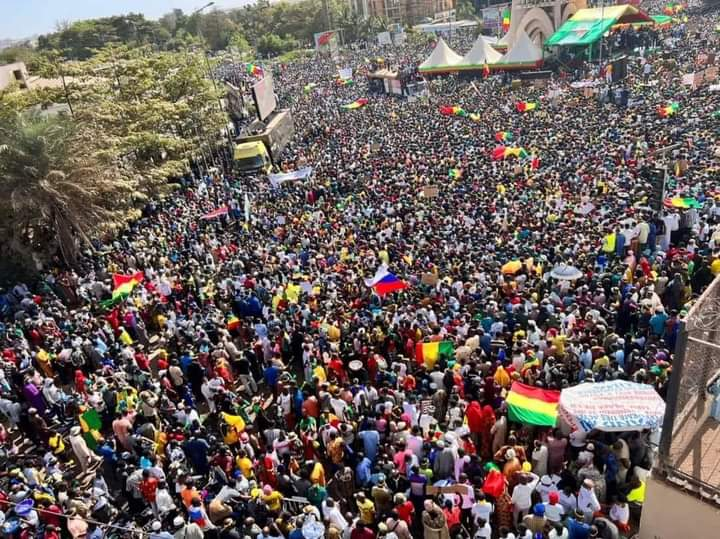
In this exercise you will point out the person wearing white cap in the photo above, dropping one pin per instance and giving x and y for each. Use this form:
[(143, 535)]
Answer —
[(185, 530), (157, 531)]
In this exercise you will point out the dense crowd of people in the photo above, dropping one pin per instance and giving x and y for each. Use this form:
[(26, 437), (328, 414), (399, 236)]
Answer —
[(251, 385)]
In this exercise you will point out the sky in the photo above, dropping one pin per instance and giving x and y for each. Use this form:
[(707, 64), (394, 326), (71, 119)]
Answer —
[(24, 18)]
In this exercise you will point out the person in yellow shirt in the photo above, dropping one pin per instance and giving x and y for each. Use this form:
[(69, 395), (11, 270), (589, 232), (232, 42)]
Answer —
[(317, 475), (366, 508), (272, 498), (245, 465), (601, 362), (715, 267), (559, 343)]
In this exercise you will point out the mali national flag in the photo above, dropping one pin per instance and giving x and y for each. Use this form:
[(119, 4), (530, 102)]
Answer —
[(669, 110), (506, 20), (428, 353), (252, 69)]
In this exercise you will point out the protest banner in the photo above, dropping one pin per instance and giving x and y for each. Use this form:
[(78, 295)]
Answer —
[(612, 406), (301, 174)]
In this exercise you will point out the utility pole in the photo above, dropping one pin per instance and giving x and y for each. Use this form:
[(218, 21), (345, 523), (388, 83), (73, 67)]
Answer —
[(209, 71), (62, 78)]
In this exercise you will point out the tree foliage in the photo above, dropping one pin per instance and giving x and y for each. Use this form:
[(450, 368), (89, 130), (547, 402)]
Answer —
[(139, 115), (268, 27), (56, 190), (79, 40)]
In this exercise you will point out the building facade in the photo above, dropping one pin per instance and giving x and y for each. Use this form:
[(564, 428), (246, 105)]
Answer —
[(401, 11)]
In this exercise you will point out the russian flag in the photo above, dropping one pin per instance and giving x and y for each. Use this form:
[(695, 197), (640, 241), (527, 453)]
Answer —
[(384, 282)]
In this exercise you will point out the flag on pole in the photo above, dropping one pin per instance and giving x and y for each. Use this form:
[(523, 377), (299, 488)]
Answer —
[(506, 20), (384, 282), (123, 285), (358, 103)]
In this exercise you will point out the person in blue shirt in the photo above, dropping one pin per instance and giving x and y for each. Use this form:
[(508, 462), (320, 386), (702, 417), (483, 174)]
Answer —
[(271, 374), (657, 322), (577, 529), (370, 439), (196, 449), (363, 471), (620, 353)]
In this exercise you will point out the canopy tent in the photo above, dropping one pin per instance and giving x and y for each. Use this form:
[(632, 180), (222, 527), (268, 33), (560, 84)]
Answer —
[(614, 406), (442, 59), (659, 21), (524, 54), (587, 26), (480, 55), (502, 44)]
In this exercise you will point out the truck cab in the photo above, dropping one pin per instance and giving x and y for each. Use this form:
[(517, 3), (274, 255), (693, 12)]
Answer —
[(251, 157)]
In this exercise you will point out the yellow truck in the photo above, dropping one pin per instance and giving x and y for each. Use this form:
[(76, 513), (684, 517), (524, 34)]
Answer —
[(252, 157), (260, 145)]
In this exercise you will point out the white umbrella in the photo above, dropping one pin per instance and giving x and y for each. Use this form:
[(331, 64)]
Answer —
[(566, 273), (612, 406)]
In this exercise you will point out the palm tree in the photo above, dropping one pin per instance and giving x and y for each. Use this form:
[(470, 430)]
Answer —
[(55, 192)]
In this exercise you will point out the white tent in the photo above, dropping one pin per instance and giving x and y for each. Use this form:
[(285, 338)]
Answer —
[(523, 52), (441, 58), (481, 53), (503, 42)]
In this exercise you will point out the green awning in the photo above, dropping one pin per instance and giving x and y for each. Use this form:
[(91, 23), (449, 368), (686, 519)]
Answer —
[(587, 26), (580, 33)]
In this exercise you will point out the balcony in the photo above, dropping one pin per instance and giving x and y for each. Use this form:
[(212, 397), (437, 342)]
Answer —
[(538, 3)]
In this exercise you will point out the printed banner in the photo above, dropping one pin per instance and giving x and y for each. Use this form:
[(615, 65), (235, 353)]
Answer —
[(300, 174), (612, 406)]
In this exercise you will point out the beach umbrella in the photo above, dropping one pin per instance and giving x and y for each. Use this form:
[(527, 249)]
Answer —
[(511, 267), (566, 273)]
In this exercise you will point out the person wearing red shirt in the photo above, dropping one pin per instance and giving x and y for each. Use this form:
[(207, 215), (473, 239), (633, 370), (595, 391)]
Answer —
[(148, 488), (362, 532), (404, 508), (50, 514), (452, 515), (51, 532)]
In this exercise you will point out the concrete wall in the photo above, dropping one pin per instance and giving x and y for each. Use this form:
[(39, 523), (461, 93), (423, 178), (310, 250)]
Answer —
[(669, 513), (7, 76)]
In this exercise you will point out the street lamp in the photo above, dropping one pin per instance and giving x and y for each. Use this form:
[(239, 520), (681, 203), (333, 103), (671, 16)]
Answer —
[(209, 71), (198, 10)]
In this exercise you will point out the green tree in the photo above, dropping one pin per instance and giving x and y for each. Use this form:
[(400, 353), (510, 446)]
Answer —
[(274, 45), (25, 54), (56, 191), (217, 29), (239, 45)]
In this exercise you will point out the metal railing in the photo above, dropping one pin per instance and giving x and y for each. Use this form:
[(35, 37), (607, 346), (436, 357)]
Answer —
[(687, 456)]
